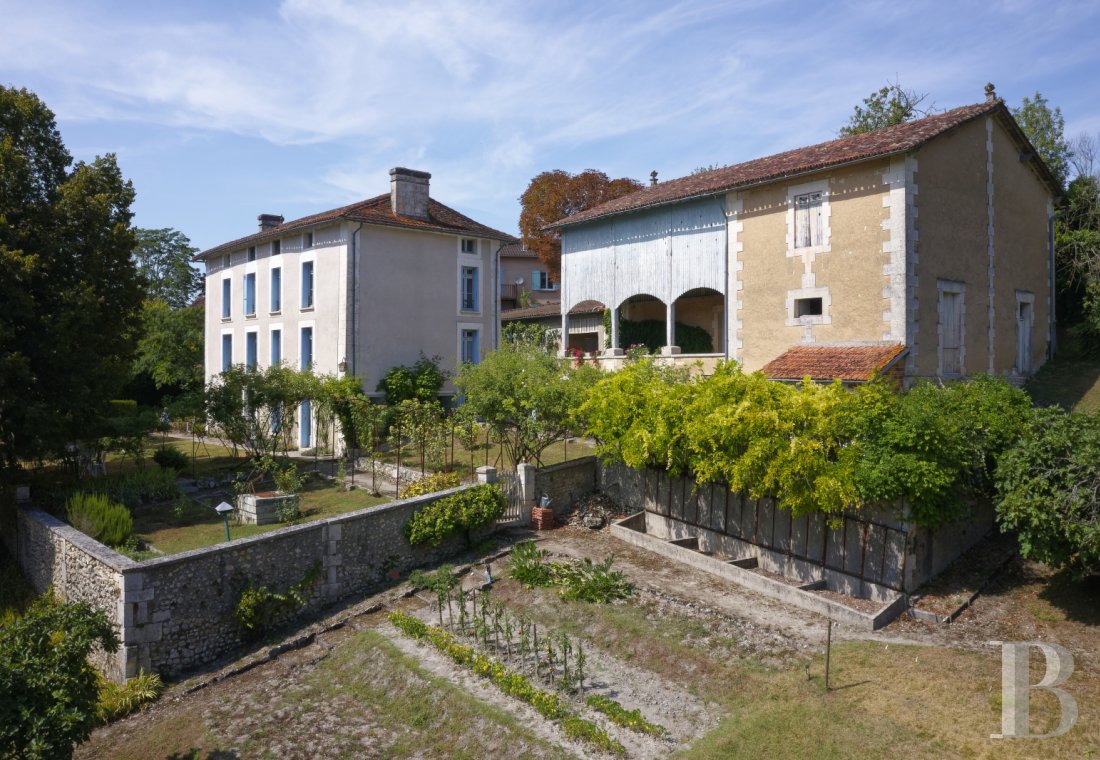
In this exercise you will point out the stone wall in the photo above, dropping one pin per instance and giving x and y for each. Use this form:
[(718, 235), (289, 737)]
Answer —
[(175, 613), (567, 482)]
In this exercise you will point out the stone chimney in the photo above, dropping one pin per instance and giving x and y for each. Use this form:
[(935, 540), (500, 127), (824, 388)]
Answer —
[(267, 221), (990, 92), (409, 192)]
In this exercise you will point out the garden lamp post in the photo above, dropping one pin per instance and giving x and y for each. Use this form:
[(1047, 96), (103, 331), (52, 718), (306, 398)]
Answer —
[(224, 509)]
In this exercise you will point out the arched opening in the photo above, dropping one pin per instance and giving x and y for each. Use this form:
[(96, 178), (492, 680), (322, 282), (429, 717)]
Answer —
[(586, 330), (700, 321)]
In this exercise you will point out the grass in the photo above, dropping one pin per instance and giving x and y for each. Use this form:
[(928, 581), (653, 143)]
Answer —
[(157, 524), (367, 699), (1072, 383), (465, 461)]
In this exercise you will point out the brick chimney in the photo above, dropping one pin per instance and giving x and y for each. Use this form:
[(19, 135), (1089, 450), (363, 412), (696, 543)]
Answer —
[(267, 221), (409, 192)]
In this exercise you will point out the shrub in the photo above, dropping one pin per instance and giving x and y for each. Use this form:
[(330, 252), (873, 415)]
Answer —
[(585, 581), (528, 566), (137, 488), (1047, 487), (118, 700), (170, 459), (50, 689), (288, 511), (437, 481), (619, 715), (97, 516), (259, 608), (465, 511)]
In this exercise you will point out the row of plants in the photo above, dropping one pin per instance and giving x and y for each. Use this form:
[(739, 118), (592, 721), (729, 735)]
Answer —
[(580, 580), (548, 704)]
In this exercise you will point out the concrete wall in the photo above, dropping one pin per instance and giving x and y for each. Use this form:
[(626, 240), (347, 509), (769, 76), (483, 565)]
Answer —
[(175, 612)]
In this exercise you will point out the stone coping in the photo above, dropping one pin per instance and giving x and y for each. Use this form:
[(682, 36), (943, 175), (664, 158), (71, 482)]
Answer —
[(578, 462), (85, 543)]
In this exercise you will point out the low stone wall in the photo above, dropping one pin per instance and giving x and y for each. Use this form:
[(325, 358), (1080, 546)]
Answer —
[(175, 613), (567, 482)]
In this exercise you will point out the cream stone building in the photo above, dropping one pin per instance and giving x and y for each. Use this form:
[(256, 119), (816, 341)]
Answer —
[(933, 236), (355, 290)]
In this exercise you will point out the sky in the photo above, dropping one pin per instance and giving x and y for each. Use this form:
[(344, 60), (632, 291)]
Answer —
[(220, 110)]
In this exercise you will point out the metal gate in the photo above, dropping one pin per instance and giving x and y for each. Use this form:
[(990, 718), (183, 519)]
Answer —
[(513, 496)]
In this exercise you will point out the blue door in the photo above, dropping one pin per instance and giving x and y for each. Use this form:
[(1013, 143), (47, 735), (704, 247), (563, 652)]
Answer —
[(305, 426)]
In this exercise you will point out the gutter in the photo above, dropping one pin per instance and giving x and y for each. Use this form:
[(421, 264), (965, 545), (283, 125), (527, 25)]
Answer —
[(352, 364)]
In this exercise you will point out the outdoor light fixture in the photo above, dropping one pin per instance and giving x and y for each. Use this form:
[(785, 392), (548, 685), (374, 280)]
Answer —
[(224, 509), (343, 365)]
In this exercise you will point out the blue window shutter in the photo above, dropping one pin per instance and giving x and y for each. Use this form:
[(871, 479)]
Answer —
[(227, 352), (305, 425), (474, 272), (276, 347), (307, 347), (536, 280), (250, 293), (276, 289), (250, 340), (227, 295)]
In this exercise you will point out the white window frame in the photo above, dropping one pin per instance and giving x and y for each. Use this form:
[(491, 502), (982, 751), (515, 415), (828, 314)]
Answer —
[(271, 330), (226, 332), (545, 282), (311, 260), (271, 288), (464, 327), (472, 245), (824, 318), (1022, 297), (255, 334), (301, 326), (958, 288), (255, 292), (466, 260), (227, 297), (794, 192)]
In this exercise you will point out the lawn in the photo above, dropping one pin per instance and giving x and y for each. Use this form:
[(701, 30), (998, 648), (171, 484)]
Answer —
[(1072, 383), (201, 526)]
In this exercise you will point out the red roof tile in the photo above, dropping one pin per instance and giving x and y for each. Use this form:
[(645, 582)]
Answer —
[(375, 210), (517, 250), (551, 309), (888, 141), (836, 362)]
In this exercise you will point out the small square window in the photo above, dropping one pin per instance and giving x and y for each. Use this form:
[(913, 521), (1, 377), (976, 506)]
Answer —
[(307, 240), (225, 261), (276, 247), (807, 307), (469, 246), (251, 253)]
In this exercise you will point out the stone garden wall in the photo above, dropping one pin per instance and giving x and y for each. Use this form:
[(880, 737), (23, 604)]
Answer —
[(175, 613)]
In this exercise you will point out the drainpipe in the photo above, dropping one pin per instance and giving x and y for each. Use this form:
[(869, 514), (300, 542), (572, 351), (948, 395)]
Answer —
[(496, 298), (1052, 344), (353, 365)]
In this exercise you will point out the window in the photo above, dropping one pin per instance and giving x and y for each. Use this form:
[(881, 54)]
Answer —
[(250, 294), (307, 284), (227, 352), (305, 425), (469, 351), (951, 329), (251, 253), (307, 239), (306, 348), (276, 290), (225, 261), (541, 281), (276, 247), (807, 220), (469, 288), (227, 296), (469, 246), (250, 349), (807, 307), (276, 347)]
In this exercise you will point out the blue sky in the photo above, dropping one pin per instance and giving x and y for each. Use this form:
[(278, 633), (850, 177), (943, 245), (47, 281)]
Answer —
[(219, 111)]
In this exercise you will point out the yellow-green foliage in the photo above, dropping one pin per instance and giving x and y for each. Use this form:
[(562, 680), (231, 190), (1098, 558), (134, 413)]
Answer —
[(465, 512), (812, 447), (97, 516), (118, 700), (437, 481)]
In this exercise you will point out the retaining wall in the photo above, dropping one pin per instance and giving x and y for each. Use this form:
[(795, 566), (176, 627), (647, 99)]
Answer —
[(567, 482), (175, 613)]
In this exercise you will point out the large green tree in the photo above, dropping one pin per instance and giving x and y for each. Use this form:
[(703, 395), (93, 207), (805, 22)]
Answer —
[(885, 107), (171, 348), (557, 194), (1045, 127), (163, 257), (69, 291)]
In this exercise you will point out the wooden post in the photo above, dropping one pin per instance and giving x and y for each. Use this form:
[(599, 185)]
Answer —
[(828, 651)]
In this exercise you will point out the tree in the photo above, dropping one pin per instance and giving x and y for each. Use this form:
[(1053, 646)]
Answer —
[(1048, 489), (171, 348), (888, 106), (1045, 129), (50, 689), (526, 395), (163, 257), (253, 408), (69, 291), (557, 194)]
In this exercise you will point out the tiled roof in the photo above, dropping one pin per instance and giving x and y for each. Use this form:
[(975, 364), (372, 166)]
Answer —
[(835, 362), (888, 141), (551, 309), (375, 210), (516, 250)]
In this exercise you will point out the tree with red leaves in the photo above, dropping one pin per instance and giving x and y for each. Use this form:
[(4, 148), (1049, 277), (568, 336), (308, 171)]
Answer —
[(557, 194)]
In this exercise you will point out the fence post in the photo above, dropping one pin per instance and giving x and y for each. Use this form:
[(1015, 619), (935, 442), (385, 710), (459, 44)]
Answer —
[(487, 474), (525, 474)]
